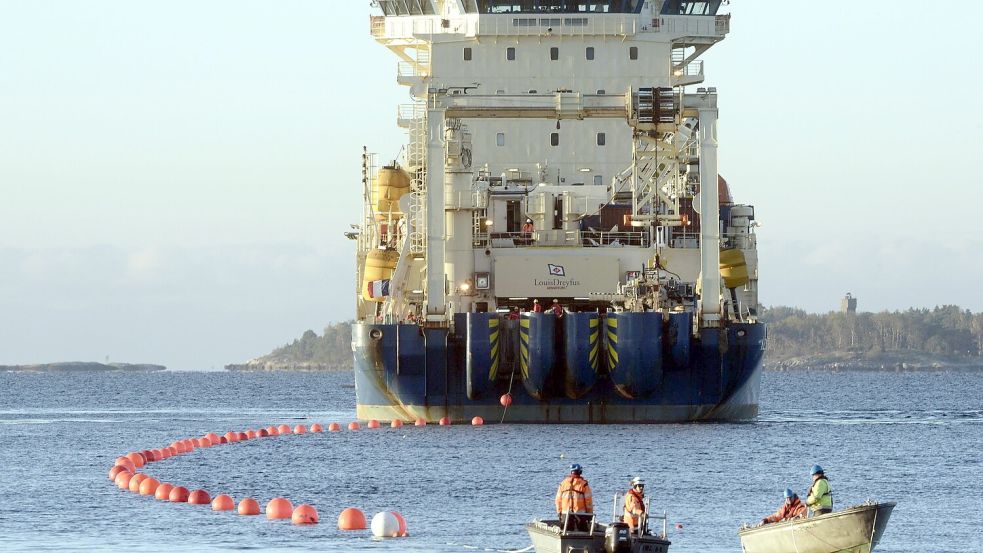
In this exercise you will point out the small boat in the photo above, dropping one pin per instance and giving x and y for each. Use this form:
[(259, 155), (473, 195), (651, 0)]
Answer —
[(855, 529), (590, 536)]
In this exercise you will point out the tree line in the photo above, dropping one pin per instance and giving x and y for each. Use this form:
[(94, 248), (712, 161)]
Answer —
[(946, 331)]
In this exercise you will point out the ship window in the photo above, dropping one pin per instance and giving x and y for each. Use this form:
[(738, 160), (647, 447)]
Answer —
[(598, 181), (510, 54), (601, 139), (467, 54), (590, 52), (633, 53), (554, 53), (500, 139), (554, 139), (600, 91)]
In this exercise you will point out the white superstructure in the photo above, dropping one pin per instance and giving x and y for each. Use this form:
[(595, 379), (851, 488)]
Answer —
[(576, 117)]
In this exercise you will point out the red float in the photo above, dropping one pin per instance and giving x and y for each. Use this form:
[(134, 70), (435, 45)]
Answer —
[(263, 433), (149, 486), (505, 400), (179, 494), (477, 421), (304, 514), (373, 424), (122, 480), (223, 502), (126, 462), (351, 519), (353, 425), (316, 427), (283, 429), (137, 458), (300, 429), (248, 507), (444, 421), (420, 422), (116, 470), (402, 524), (278, 508), (199, 497), (163, 492), (396, 423), (134, 484), (334, 427)]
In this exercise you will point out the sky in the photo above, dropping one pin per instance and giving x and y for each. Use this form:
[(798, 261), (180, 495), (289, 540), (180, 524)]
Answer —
[(175, 177)]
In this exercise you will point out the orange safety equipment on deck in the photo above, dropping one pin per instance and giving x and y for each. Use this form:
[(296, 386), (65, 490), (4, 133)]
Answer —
[(789, 510), (634, 508), (574, 495)]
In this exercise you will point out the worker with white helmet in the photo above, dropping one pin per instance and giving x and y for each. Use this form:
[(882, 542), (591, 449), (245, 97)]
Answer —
[(635, 504)]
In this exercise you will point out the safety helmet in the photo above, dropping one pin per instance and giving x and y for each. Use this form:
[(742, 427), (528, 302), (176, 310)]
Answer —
[(556, 300), (789, 493), (535, 301), (528, 220), (816, 469), (637, 481), (576, 468)]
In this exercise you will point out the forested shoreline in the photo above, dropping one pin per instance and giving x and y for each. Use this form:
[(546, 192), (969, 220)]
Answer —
[(915, 339)]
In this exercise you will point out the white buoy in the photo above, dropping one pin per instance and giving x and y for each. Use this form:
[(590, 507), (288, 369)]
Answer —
[(385, 525)]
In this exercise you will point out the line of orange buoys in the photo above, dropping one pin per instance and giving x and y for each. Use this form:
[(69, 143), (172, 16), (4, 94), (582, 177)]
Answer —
[(124, 474)]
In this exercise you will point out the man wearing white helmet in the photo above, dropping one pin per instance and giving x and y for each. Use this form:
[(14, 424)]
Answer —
[(635, 504)]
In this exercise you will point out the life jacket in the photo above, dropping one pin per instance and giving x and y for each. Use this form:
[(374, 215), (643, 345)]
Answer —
[(788, 511), (634, 508), (574, 496), (824, 499)]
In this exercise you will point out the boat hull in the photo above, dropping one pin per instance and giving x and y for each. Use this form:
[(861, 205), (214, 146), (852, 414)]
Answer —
[(406, 372), (547, 537), (853, 530)]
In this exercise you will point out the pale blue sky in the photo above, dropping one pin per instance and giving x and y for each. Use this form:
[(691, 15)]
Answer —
[(175, 177)]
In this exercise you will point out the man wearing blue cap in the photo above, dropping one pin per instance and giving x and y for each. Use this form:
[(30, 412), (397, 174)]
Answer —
[(574, 500), (820, 498), (791, 509)]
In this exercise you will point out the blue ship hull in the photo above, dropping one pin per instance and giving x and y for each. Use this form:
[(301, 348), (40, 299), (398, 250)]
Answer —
[(581, 368)]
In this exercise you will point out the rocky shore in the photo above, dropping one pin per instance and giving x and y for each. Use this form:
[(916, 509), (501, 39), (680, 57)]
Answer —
[(83, 366), (887, 361), (261, 365)]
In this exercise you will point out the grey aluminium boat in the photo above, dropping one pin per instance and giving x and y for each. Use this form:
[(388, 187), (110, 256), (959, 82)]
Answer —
[(853, 530), (552, 536)]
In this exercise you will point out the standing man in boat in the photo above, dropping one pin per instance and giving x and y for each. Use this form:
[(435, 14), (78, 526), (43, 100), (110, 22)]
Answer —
[(791, 509), (536, 306), (574, 497), (635, 505), (820, 499)]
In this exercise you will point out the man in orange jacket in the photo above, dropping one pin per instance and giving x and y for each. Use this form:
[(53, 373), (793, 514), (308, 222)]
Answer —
[(574, 496), (634, 504), (791, 509)]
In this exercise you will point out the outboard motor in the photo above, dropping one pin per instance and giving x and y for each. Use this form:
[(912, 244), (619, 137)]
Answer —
[(617, 538)]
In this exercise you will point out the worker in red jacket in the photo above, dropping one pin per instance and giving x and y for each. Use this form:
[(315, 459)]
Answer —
[(536, 307), (557, 308), (792, 508)]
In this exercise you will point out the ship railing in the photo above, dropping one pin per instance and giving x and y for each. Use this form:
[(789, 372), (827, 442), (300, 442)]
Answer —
[(377, 25), (692, 25), (584, 238), (557, 25)]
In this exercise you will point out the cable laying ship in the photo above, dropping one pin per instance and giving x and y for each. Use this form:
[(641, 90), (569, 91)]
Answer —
[(555, 153)]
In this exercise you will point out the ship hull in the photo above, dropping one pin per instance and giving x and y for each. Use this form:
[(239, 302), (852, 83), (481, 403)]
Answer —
[(406, 372)]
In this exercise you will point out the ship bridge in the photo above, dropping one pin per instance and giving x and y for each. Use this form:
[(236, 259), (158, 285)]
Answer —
[(433, 7)]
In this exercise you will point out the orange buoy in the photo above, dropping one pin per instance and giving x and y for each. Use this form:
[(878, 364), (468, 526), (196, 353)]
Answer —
[(505, 400), (444, 421), (300, 429), (196, 442), (231, 437), (126, 462), (279, 507), (165, 453), (273, 431), (402, 523), (477, 421), (158, 455), (263, 433), (251, 434), (679, 525), (179, 494), (304, 514), (149, 486), (351, 519), (163, 492), (283, 429), (249, 507), (223, 502), (224, 440), (396, 423), (213, 437), (189, 444), (241, 437), (353, 425), (171, 451), (420, 421), (373, 424), (134, 484), (122, 480), (334, 427), (199, 497), (148, 456), (316, 427), (137, 459), (116, 470)]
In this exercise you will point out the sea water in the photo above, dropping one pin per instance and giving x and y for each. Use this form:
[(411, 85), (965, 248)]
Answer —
[(913, 438)]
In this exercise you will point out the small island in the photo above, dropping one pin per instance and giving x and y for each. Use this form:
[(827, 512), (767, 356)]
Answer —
[(82, 366), (943, 338)]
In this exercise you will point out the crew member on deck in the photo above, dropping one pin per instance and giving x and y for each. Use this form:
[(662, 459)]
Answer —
[(791, 509), (514, 314), (528, 227), (635, 504), (536, 307), (557, 308), (820, 499), (574, 497)]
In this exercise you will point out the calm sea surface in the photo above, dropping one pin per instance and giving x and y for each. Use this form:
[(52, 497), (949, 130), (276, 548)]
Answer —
[(911, 438)]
